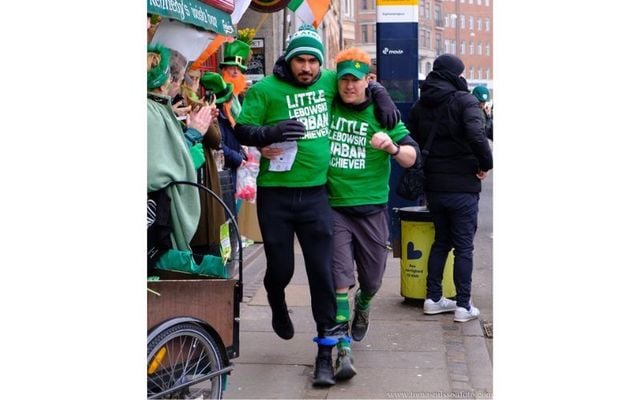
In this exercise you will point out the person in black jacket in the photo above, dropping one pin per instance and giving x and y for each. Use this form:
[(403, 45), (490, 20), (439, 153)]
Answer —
[(458, 159)]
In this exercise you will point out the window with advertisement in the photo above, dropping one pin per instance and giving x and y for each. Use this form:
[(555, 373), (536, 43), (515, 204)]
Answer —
[(256, 65)]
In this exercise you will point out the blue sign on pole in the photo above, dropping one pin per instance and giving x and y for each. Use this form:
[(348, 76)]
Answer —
[(397, 71)]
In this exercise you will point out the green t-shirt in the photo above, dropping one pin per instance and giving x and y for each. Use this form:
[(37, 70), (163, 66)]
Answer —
[(272, 100), (358, 173)]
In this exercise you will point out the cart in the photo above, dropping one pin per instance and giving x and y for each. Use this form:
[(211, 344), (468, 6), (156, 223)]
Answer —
[(193, 329)]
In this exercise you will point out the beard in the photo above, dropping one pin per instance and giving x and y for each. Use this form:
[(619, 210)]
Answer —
[(239, 82)]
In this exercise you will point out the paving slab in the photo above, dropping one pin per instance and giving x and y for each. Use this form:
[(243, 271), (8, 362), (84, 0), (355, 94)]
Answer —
[(406, 353)]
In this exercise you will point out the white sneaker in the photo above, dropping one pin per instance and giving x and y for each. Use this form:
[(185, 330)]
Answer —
[(464, 315), (441, 306)]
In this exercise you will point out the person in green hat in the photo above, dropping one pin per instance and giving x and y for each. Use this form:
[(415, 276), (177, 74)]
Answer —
[(234, 155), (291, 109), (484, 96), (232, 68), (168, 150), (358, 184), (220, 93), (236, 54)]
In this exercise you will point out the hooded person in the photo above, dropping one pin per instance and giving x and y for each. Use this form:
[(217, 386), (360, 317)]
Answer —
[(447, 124), (445, 78)]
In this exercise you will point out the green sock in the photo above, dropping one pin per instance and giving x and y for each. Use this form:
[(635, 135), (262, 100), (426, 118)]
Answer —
[(363, 299), (342, 313), (344, 345)]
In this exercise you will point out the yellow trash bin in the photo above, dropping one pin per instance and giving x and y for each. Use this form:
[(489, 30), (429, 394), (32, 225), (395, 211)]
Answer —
[(417, 234)]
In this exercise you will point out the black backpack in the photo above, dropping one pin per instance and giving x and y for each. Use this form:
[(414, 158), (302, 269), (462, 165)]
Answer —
[(411, 183)]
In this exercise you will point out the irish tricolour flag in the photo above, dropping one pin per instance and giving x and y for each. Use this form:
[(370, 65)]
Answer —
[(310, 11)]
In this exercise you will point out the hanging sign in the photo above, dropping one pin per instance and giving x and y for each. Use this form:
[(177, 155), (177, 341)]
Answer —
[(193, 12)]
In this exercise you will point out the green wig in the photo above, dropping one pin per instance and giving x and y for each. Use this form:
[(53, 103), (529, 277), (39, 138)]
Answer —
[(158, 75)]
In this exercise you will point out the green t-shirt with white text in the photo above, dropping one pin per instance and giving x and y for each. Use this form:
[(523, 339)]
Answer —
[(358, 173), (272, 100)]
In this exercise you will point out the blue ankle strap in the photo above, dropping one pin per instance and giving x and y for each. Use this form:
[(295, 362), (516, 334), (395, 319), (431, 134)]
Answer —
[(329, 341)]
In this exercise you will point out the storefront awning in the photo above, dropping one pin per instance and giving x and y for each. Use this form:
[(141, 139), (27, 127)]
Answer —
[(193, 12)]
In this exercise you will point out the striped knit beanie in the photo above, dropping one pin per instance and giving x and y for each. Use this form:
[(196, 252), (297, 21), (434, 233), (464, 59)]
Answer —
[(305, 41)]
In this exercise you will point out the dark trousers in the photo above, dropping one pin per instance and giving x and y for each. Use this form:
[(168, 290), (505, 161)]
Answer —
[(305, 212), (455, 218)]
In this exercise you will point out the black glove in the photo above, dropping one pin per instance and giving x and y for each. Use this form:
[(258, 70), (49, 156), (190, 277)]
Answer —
[(260, 136), (288, 130), (385, 109)]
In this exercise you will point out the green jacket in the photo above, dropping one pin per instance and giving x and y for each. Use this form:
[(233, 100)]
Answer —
[(168, 160)]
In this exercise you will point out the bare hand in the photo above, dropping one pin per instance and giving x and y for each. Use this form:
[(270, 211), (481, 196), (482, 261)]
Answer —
[(271, 152), (200, 120), (382, 141), (482, 174), (179, 110), (215, 112)]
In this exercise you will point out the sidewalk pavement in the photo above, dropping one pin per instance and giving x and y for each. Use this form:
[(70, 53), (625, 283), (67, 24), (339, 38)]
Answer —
[(406, 354)]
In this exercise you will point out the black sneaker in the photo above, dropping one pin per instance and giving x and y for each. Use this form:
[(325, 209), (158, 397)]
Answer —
[(360, 325), (323, 374), (344, 365), (280, 321)]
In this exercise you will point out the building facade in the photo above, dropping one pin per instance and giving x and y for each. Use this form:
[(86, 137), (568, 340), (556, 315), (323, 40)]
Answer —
[(460, 27), (468, 33)]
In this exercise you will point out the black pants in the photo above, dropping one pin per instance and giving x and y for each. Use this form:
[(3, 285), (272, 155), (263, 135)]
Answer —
[(304, 211), (455, 218)]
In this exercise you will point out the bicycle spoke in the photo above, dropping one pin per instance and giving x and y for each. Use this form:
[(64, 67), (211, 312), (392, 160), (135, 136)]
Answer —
[(188, 357)]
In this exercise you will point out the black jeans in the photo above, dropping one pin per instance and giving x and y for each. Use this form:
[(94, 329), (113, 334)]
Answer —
[(455, 218), (304, 211)]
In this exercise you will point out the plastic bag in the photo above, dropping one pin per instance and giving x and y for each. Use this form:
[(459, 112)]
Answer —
[(246, 187)]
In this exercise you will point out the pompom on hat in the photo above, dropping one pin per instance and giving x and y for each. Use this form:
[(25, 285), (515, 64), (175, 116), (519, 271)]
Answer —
[(213, 82), (305, 41)]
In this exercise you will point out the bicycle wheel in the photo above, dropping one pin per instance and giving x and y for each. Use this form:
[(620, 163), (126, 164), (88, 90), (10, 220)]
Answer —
[(178, 362)]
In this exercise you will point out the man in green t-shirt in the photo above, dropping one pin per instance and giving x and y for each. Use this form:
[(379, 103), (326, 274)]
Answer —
[(358, 182), (290, 111)]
